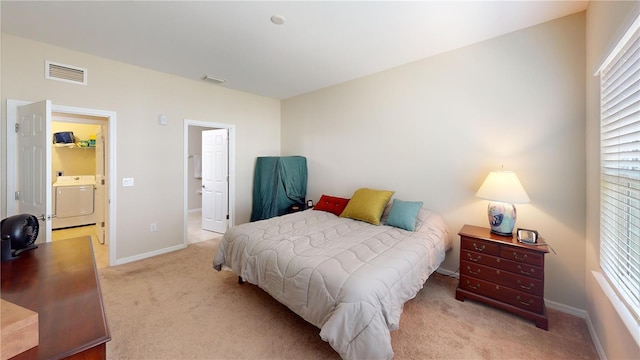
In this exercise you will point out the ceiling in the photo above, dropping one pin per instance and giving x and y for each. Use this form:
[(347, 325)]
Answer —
[(321, 43)]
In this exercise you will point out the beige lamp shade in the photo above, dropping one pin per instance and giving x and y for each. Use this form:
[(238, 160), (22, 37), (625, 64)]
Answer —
[(503, 186)]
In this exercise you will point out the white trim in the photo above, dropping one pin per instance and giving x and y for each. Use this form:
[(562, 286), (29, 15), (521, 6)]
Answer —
[(625, 315), (550, 304), (622, 42), (596, 340), (232, 169), (559, 307), (194, 210), (584, 315), (447, 272), (12, 111), (566, 309), (150, 254)]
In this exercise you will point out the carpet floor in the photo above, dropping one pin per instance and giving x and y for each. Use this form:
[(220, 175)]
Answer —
[(175, 306)]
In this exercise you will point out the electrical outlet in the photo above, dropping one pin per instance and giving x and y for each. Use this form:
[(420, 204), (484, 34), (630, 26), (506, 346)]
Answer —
[(153, 227), (127, 181)]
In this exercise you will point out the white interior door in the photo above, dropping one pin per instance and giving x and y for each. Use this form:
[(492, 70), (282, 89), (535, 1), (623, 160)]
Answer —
[(215, 180), (100, 193), (34, 151)]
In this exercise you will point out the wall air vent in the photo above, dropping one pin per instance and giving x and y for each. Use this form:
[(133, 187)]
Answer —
[(66, 73)]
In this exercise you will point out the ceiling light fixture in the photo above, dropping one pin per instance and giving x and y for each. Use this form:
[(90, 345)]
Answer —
[(213, 80), (278, 19)]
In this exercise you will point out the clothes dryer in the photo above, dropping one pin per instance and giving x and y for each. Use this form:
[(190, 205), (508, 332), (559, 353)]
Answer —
[(74, 201)]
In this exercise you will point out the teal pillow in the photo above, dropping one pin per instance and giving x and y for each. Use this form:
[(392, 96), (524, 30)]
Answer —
[(403, 214)]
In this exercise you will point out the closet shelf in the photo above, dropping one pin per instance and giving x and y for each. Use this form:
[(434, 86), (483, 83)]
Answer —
[(72, 146)]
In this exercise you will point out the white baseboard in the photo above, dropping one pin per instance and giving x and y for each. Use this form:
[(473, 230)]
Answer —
[(150, 254), (583, 314), (595, 338), (551, 304), (194, 210), (447, 272), (566, 309)]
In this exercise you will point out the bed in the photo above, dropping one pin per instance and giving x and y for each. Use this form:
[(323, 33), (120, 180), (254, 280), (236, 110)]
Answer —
[(348, 277)]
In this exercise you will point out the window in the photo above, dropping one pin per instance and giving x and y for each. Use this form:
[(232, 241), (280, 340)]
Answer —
[(620, 168)]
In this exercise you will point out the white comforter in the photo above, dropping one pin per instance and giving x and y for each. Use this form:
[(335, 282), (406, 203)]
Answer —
[(347, 277)]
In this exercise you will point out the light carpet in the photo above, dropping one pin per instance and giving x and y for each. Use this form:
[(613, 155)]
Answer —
[(175, 306)]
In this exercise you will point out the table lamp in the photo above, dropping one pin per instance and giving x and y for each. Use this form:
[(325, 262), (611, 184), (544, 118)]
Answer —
[(502, 189)]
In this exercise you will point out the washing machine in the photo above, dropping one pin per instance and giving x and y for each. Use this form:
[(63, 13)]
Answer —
[(74, 201)]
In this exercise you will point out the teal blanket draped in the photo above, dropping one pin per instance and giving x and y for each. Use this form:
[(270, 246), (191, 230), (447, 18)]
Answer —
[(278, 183)]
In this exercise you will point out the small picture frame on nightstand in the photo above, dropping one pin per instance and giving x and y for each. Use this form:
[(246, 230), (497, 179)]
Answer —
[(527, 236)]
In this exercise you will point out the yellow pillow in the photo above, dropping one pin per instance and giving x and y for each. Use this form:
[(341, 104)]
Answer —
[(367, 205)]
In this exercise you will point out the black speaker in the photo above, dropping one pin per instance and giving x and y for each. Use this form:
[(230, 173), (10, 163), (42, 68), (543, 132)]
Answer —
[(18, 234)]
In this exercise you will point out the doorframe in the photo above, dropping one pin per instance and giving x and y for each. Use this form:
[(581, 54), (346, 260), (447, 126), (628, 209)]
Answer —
[(231, 168), (12, 113)]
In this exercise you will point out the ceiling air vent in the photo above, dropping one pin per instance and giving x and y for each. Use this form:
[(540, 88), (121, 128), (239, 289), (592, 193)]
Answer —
[(213, 80), (66, 73)]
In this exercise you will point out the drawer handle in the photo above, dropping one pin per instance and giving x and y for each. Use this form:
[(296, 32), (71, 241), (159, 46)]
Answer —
[(473, 272), (526, 287), (515, 255), (525, 303), (473, 287), (522, 271), (474, 259), (481, 248)]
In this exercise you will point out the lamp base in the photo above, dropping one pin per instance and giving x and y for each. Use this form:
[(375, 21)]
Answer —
[(502, 218), (502, 234)]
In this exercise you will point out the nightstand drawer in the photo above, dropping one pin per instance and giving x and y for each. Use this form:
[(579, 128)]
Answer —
[(516, 282), (475, 257), (521, 255), (508, 265), (522, 269), (480, 246), (507, 295)]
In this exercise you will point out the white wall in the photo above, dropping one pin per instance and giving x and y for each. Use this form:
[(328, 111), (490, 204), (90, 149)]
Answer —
[(606, 23), (433, 129), (149, 153)]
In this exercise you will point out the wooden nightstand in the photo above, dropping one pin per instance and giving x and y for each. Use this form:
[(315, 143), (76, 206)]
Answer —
[(502, 272)]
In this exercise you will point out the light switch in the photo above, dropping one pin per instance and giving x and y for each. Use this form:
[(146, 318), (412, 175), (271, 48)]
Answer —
[(162, 119), (127, 181)]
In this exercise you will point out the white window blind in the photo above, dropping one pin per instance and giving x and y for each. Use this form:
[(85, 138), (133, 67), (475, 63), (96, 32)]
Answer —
[(620, 169)]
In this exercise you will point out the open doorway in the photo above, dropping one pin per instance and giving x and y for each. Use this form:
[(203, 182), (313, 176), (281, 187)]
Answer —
[(79, 172), (44, 175), (208, 213)]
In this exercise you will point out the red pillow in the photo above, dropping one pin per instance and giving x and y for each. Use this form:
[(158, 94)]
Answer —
[(331, 204)]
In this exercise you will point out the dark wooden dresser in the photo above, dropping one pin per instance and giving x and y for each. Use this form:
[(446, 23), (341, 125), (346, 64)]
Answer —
[(502, 272), (59, 281)]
